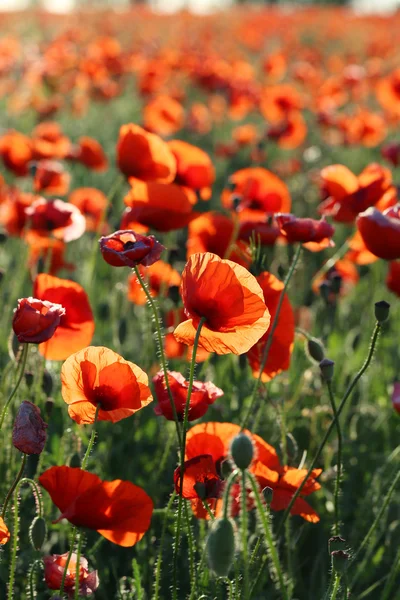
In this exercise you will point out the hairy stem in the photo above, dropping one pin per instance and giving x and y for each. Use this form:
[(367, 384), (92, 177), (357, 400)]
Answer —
[(339, 458), (24, 356)]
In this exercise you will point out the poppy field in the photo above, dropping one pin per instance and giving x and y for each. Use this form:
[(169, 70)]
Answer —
[(200, 282)]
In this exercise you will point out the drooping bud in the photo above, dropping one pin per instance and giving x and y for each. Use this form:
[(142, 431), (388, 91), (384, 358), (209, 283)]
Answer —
[(75, 461), (382, 309), (242, 451), (315, 349), (38, 532), (29, 432), (220, 547), (340, 560), (336, 543), (327, 369), (268, 494)]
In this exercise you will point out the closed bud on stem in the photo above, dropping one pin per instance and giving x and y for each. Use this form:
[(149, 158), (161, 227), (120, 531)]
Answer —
[(75, 461), (242, 451), (38, 532), (340, 560), (47, 383), (48, 406), (226, 468), (268, 494), (315, 349), (327, 368), (336, 283), (382, 309), (336, 543), (29, 377), (220, 547)]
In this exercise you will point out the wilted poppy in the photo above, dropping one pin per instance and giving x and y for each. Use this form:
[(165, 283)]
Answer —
[(98, 376), (200, 479), (50, 178), (56, 217), (144, 155), (54, 567), (163, 115), (76, 328), (315, 235), (36, 321), (347, 195), (29, 430), (230, 300), (194, 167), (160, 277), (92, 203), (118, 510), (129, 249), (202, 396), (393, 278), (161, 206), (283, 339), (381, 231), (4, 533), (91, 154)]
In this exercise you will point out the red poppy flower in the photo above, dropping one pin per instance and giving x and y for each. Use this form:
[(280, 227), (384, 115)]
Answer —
[(49, 250), (144, 155), (393, 278), (54, 567), (36, 321), (282, 345), (163, 115), (345, 270), (17, 152), (56, 217), (358, 252), (278, 100), (129, 249), (4, 533), (128, 222), (347, 195), (388, 92), (76, 328), (316, 235), (229, 298), (289, 133), (50, 178), (96, 376), (200, 479), (48, 141), (160, 277), (161, 206), (381, 231), (203, 394), (118, 510), (173, 348), (194, 167), (92, 203), (91, 154)]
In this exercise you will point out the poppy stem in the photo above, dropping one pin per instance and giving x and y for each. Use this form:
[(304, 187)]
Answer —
[(270, 338), (347, 393), (243, 522), (339, 457), (20, 376), (208, 509), (264, 517), (36, 494), (71, 549), (333, 259), (77, 568), (157, 322), (157, 575), (14, 485), (14, 547), (92, 438), (336, 587), (227, 491)]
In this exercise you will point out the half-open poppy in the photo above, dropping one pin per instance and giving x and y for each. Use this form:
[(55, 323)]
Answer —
[(129, 249), (381, 231)]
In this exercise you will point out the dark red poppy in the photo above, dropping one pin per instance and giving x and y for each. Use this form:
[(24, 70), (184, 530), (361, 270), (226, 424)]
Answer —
[(381, 231), (200, 479), (393, 278), (203, 394), (36, 321), (29, 431), (126, 248), (119, 510), (305, 231), (391, 152)]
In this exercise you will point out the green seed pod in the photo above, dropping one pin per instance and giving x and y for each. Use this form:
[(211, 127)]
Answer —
[(336, 543), (38, 532), (75, 461), (315, 350), (327, 367), (382, 309), (242, 450), (220, 547), (340, 560)]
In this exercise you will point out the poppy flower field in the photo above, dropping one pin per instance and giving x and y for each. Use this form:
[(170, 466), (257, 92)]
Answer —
[(200, 282)]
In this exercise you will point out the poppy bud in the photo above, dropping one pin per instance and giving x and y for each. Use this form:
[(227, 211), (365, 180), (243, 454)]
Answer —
[(35, 321), (75, 461), (48, 407), (382, 311), (268, 494), (29, 432), (225, 468), (340, 560), (242, 450), (29, 377), (38, 532), (327, 368), (336, 543), (220, 547), (200, 490), (315, 349), (336, 283), (103, 311), (125, 248), (122, 330)]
